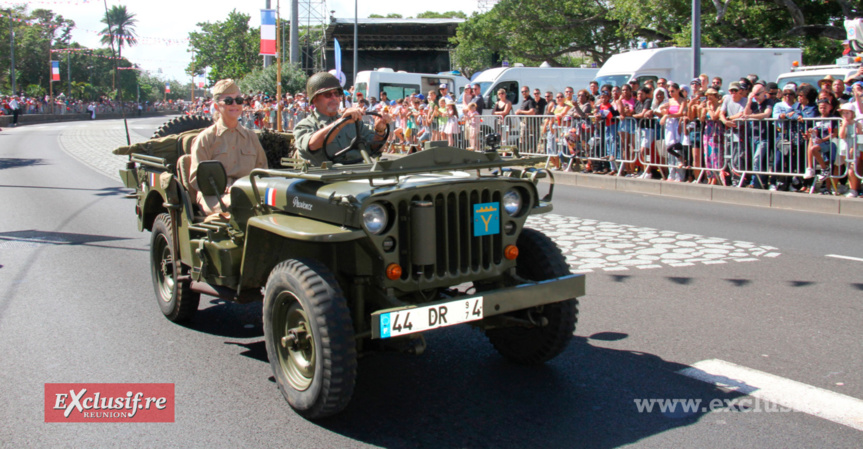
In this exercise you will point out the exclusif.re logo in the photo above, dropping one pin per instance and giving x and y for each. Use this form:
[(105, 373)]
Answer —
[(109, 402)]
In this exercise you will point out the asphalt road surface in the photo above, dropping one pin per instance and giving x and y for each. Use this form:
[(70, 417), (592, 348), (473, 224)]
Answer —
[(739, 326)]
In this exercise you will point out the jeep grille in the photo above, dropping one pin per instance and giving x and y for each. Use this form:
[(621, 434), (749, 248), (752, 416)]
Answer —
[(458, 252)]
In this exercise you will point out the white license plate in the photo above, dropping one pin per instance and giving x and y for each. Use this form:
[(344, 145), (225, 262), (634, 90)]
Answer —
[(419, 319)]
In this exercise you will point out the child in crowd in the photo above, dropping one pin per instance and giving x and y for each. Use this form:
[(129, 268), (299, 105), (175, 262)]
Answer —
[(451, 129), (849, 129), (471, 121), (820, 147)]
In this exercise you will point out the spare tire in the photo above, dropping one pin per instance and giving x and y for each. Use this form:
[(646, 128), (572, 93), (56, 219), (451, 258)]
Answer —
[(182, 124)]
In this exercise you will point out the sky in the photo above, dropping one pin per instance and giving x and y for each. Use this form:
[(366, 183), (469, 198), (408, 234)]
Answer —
[(164, 26)]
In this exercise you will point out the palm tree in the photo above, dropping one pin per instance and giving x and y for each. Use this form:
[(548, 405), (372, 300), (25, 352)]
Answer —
[(121, 29)]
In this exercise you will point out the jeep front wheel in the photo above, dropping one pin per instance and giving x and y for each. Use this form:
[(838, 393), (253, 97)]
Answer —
[(552, 326), (176, 299), (309, 337)]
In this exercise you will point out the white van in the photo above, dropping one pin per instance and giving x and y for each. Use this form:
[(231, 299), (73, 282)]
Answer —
[(401, 84), (675, 64), (554, 79), (843, 69)]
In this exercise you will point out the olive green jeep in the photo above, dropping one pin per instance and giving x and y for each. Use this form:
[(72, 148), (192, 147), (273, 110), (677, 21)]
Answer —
[(356, 258)]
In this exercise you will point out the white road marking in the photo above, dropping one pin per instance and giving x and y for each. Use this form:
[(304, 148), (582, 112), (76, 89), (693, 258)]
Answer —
[(592, 245), (825, 404), (837, 256)]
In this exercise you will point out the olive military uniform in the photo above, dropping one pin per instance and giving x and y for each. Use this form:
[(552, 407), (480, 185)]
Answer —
[(313, 123)]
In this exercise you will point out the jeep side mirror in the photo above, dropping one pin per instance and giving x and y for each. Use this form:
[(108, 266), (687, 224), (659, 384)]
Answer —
[(212, 179)]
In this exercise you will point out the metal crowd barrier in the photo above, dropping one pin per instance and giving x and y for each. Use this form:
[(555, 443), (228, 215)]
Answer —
[(754, 151)]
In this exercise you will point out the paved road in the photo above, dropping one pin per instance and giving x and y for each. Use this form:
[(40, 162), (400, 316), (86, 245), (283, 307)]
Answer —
[(680, 293)]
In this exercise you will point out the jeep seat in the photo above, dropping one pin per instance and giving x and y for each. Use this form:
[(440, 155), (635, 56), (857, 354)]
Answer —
[(184, 169)]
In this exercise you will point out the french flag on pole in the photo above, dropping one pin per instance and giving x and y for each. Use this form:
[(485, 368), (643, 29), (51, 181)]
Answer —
[(270, 197), (55, 70), (268, 32), (167, 88)]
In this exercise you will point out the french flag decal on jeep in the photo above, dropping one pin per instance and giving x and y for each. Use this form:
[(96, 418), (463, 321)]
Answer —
[(153, 179), (270, 197)]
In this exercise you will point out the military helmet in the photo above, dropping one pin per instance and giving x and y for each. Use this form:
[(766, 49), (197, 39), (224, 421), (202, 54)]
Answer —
[(321, 82)]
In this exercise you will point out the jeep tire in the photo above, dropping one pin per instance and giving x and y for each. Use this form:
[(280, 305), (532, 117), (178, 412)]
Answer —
[(539, 259), (176, 299), (182, 124), (310, 338)]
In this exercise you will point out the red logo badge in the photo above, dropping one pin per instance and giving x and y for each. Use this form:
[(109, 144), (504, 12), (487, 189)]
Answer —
[(109, 402)]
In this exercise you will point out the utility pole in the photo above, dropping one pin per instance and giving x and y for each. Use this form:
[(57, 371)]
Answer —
[(295, 32), (12, 52), (354, 79), (696, 38), (279, 48), (50, 71), (68, 74)]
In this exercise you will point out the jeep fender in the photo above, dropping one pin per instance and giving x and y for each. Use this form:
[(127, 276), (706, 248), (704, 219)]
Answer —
[(272, 238), (152, 205)]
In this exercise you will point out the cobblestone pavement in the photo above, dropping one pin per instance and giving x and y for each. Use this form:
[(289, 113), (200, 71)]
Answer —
[(92, 142), (592, 245)]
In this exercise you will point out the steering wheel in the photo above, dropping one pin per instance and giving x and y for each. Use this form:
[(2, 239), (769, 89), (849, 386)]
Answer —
[(358, 143)]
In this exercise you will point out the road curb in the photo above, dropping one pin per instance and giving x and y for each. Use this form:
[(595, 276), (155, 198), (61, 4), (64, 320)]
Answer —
[(824, 204)]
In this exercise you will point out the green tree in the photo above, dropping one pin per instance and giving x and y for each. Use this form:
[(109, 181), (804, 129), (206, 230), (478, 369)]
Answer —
[(120, 29), (442, 15), (293, 80), (42, 31), (533, 31), (230, 48), (753, 23)]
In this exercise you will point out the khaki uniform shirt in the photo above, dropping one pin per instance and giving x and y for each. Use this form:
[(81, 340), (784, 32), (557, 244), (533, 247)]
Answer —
[(239, 151), (313, 123)]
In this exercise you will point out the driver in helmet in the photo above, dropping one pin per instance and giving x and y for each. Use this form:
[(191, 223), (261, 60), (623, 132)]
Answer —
[(324, 92)]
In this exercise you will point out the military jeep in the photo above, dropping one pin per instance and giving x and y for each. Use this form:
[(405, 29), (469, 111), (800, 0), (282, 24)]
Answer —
[(349, 259)]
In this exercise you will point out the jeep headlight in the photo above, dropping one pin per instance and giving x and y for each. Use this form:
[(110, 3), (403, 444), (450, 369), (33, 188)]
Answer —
[(512, 202), (375, 218)]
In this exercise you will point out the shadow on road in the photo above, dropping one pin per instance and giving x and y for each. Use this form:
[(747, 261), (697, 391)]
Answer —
[(15, 162), (105, 191), (463, 394), (33, 237), (228, 319)]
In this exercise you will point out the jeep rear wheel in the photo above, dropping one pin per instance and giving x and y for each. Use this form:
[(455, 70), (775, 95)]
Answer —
[(539, 259), (175, 297), (310, 338)]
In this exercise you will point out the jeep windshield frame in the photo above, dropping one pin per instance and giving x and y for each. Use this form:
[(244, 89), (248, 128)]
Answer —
[(427, 161)]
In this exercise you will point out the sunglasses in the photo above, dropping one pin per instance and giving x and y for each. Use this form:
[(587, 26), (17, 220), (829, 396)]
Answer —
[(335, 93), (229, 101)]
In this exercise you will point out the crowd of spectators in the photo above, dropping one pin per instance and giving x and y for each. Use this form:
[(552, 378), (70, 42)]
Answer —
[(61, 104), (747, 133)]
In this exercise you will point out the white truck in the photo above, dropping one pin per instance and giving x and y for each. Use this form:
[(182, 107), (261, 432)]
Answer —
[(401, 84), (675, 64), (511, 79)]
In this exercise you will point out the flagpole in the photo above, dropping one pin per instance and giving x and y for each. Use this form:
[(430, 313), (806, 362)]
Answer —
[(278, 69), (51, 72)]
